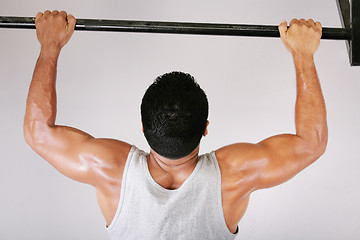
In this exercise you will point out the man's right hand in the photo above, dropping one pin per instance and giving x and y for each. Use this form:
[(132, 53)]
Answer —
[(302, 38), (54, 29)]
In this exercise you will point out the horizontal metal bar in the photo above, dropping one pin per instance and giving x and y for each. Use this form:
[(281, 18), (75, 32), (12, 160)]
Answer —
[(173, 27)]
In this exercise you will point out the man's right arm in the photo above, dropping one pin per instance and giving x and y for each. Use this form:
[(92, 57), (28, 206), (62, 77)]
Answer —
[(279, 158), (71, 151)]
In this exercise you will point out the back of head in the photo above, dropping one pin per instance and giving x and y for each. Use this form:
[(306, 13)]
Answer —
[(174, 113)]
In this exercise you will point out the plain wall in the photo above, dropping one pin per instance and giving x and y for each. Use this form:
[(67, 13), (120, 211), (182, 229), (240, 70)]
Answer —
[(250, 83)]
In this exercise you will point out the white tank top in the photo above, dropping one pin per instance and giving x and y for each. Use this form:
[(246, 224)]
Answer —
[(148, 211)]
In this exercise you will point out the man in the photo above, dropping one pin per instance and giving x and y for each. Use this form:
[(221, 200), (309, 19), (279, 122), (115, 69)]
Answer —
[(172, 192)]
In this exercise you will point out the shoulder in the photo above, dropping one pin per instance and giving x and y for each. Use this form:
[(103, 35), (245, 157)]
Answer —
[(108, 158), (240, 155), (241, 162), (105, 152)]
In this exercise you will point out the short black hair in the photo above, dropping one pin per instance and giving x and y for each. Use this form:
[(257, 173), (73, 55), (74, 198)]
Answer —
[(174, 112)]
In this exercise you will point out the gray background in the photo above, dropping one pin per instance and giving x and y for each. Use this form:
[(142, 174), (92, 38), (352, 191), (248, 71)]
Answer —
[(250, 83)]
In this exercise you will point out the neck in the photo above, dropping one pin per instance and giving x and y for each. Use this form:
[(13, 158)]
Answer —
[(170, 173)]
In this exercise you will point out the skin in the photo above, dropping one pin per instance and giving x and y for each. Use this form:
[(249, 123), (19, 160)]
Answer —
[(244, 167)]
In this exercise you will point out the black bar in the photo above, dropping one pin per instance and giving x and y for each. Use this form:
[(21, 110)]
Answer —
[(350, 18), (344, 12), (355, 33), (173, 27)]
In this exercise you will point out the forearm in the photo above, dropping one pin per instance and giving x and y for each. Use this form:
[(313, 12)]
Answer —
[(41, 101), (310, 110)]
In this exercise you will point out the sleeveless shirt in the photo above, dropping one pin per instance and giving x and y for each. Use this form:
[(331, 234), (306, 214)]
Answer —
[(146, 210)]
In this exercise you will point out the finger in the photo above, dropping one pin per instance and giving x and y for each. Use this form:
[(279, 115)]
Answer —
[(310, 22), (55, 12), (71, 21), (38, 16), (63, 14), (302, 21), (318, 26), (283, 29), (294, 21), (46, 13)]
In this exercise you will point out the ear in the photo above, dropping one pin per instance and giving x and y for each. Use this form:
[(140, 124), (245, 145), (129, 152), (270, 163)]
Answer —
[(206, 129)]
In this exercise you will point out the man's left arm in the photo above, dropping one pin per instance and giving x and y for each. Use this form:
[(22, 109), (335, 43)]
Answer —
[(279, 158)]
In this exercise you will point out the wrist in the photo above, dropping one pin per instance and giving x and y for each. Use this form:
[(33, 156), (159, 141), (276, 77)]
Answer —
[(303, 59), (50, 52)]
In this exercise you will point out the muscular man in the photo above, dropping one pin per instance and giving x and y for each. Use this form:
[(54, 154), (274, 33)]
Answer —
[(172, 192)]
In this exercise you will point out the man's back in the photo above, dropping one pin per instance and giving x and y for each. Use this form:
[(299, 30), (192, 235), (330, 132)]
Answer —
[(192, 211)]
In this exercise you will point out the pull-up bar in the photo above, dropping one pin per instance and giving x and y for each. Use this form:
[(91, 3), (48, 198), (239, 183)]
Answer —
[(173, 27), (350, 32)]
